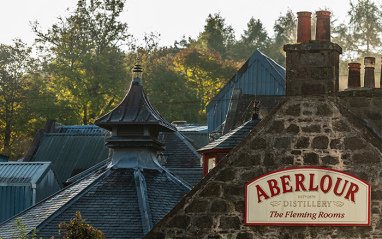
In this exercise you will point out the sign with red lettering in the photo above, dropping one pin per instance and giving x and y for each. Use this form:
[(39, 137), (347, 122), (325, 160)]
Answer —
[(307, 196)]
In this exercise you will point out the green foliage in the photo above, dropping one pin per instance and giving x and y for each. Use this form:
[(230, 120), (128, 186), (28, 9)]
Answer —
[(86, 67), (365, 26), (205, 71), (22, 232), (18, 71), (285, 29), (217, 36), (78, 228), (254, 38)]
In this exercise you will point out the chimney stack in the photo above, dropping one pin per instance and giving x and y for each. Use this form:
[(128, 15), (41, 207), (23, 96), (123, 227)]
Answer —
[(312, 67), (369, 81), (323, 26), (354, 80), (303, 26)]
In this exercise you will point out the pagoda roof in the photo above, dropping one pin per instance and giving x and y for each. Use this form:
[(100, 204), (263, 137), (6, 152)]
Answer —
[(135, 109)]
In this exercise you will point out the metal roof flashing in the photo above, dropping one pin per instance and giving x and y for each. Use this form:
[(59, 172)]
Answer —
[(135, 158)]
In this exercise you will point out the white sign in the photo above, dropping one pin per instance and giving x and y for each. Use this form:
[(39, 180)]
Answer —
[(307, 196)]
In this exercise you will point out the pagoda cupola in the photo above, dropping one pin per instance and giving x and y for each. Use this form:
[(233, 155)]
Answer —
[(135, 126)]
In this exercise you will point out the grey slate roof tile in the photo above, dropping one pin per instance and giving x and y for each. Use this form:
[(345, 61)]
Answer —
[(230, 140), (107, 200), (37, 214)]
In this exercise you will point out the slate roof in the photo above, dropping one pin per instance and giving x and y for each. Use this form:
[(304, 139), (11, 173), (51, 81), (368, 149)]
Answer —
[(135, 109), (110, 199), (230, 140)]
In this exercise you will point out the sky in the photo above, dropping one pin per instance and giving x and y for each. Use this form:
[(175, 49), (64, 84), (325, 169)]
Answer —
[(172, 19)]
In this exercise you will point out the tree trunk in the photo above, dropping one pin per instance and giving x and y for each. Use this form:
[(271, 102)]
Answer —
[(85, 118), (7, 135)]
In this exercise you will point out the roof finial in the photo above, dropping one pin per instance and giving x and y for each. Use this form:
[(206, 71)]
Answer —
[(137, 70)]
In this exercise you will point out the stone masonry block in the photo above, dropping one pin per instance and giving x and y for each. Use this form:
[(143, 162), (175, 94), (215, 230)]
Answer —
[(211, 190), (246, 159), (197, 206), (205, 221), (340, 126), (277, 126), (313, 128), (180, 221), (302, 143), (292, 128), (229, 223), (294, 110), (258, 143), (219, 206), (320, 142), (330, 160), (324, 110), (282, 143), (354, 143), (226, 174), (311, 158)]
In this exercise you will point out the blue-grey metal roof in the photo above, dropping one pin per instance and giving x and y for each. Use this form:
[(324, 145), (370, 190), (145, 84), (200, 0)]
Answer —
[(230, 140), (260, 75), (71, 153), (19, 173), (201, 128), (3, 158)]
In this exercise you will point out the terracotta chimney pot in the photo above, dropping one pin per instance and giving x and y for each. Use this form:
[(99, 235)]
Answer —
[(323, 26), (369, 81), (304, 26), (354, 80)]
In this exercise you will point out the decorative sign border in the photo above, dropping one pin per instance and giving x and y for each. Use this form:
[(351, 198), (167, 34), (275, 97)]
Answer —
[(307, 196)]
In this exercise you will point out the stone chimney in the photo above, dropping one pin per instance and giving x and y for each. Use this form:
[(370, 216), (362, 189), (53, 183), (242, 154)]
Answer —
[(354, 80), (369, 80), (312, 68)]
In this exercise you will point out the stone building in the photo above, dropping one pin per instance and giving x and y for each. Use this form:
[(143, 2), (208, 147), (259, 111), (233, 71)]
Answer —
[(314, 127)]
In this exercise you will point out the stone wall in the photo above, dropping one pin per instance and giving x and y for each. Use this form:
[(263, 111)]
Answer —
[(314, 131), (312, 68), (366, 104)]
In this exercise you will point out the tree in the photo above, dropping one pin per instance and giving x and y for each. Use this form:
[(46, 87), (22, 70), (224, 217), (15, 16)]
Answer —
[(285, 32), (365, 25), (16, 70), (206, 73), (217, 36), (254, 38), (78, 228), (85, 63), (164, 86)]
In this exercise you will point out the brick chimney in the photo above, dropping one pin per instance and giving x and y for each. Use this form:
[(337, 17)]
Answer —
[(304, 26), (369, 80), (312, 68), (354, 80)]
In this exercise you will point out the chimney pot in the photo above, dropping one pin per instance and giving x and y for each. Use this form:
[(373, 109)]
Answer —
[(323, 26), (369, 81), (304, 26), (354, 80)]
